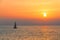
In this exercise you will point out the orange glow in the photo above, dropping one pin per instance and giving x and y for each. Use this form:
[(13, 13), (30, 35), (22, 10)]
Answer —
[(30, 9), (44, 29)]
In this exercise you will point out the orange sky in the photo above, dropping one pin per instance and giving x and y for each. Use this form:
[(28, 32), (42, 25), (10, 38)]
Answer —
[(30, 9)]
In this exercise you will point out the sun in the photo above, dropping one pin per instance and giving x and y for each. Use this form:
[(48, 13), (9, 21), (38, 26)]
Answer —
[(45, 14)]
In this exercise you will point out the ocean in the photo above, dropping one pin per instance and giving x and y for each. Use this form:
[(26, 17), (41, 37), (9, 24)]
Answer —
[(30, 33)]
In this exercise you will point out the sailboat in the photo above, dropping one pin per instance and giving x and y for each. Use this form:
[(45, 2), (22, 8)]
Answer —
[(15, 25)]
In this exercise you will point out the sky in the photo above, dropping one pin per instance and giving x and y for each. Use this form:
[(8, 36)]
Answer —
[(29, 12)]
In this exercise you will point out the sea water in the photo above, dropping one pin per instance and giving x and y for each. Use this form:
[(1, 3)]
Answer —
[(30, 33)]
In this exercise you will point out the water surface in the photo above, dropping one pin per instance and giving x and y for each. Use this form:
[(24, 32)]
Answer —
[(30, 33)]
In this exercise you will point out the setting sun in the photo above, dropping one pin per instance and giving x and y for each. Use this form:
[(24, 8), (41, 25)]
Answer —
[(44, 14)]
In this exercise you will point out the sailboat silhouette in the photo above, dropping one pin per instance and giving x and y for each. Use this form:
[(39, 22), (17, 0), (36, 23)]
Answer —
[(15, 25)]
